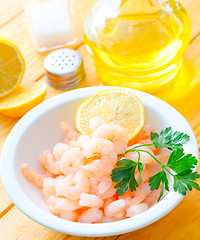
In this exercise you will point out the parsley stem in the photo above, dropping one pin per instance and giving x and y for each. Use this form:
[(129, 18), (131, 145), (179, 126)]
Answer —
[(162, 165), (144, 145), (138, 155), (168, 171), (133, 149)]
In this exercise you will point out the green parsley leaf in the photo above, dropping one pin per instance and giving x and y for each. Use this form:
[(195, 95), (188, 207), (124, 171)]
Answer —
[(122, 187), (179, 162), (124, 175), (155, 181), (168, 139), (140, 169), (184, 181), (132, 182), (158, 179)]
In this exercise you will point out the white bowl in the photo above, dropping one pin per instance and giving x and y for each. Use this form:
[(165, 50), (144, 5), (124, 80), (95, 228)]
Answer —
[(40, 129)]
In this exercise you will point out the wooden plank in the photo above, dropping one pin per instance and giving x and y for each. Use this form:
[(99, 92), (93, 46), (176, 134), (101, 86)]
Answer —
[(24, 228), (9, 10), (21, 228), (5, 202)]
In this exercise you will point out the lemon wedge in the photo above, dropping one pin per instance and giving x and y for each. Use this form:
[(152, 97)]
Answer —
[(23, 99), (113, 106), (12, 66)]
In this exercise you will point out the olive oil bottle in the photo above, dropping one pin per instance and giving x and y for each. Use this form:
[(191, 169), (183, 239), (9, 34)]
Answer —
[(137, 43)]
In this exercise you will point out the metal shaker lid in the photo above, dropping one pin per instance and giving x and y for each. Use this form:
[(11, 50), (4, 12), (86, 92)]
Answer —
[(64, 68)]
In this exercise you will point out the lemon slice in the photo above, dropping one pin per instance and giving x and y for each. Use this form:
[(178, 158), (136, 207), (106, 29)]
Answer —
[(12, 66), (23, 99), (117, 106)]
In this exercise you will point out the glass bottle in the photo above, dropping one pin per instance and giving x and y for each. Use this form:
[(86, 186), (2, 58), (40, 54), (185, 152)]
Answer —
[(50, 23), (137, 43)]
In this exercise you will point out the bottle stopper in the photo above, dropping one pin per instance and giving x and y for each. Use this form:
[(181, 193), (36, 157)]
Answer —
[(64, 68)]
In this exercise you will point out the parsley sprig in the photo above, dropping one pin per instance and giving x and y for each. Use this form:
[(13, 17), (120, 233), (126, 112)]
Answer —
[(180, 164)]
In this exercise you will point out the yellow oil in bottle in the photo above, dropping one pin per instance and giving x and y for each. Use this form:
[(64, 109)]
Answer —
[(142, 47)]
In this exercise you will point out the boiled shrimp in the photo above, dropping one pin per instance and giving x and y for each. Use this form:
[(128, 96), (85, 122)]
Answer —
[(140, 194), (71, 134), (33, 177), (50, 163), (69, 215), (115, 209), (95, 122), (94, 189), (60, 149), (71, 160), (145, 133), (49, 187), (136, 209), (72, 186), (115, 134), (91, 215), (105, 184), (58, 204), (90, 200), (145, 158), (102, 147), (81, 140)]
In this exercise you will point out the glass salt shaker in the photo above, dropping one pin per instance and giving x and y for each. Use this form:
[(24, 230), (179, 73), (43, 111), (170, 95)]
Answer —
[(50, 23)]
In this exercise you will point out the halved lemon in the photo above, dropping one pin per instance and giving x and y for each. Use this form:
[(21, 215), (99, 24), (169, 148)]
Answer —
[(23, 99), (12, 66), (117, 106)]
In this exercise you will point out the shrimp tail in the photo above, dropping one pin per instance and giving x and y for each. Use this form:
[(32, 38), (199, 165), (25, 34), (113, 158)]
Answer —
[(71, 134), (32, 176)]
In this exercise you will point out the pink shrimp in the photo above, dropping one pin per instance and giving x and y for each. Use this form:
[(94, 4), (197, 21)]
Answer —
[(153, 148), (115, 209), (152, 197), (145, 158), (90, 200), (140, 194), (146, 174), (49, 162), (69, 215), (59, 204), (71, 134), (136, 209), (145, 133), (72, 186), (114, 133), (94, 189), (91, 215), (33, 177), (71, 160), (49, 187), (163, 157)]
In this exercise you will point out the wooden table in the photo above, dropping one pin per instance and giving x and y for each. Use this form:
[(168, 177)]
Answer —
[(181, 223)]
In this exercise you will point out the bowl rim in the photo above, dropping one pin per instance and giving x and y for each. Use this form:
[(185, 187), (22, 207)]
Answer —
[(23, 203)]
